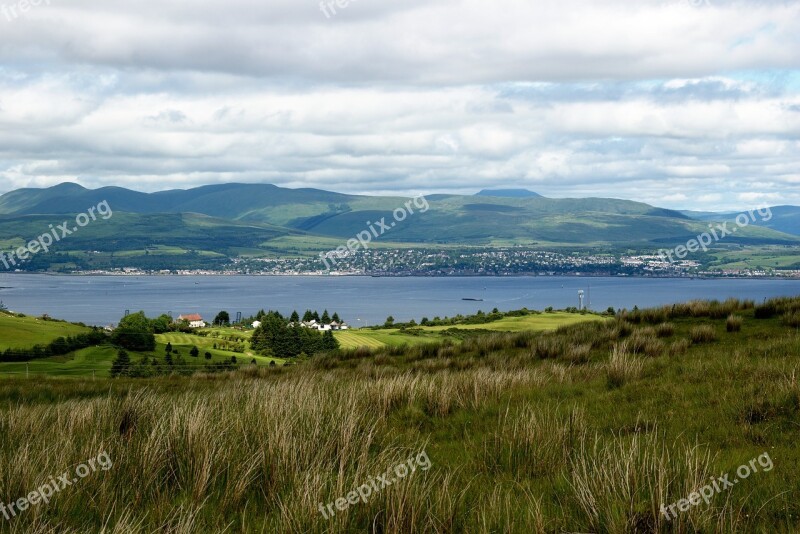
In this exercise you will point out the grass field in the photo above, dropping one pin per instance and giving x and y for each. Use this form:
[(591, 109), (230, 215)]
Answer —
[(96, 361), (764, 257), (22, 332), (394, 337), (594, 427)]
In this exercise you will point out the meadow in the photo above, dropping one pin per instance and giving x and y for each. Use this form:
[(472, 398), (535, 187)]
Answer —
[(592, 427), (22, 332), (394, 337), (222, 342)]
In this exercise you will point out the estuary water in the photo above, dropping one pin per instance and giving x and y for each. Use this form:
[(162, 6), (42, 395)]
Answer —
[(102, 300)]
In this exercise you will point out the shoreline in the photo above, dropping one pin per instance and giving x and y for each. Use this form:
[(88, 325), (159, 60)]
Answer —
[(361, 275)]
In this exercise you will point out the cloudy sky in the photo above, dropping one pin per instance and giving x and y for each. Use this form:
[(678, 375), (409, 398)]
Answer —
[(679, 103)]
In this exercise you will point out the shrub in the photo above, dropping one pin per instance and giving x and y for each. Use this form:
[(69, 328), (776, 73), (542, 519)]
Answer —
[(734, 323), (702, 334)]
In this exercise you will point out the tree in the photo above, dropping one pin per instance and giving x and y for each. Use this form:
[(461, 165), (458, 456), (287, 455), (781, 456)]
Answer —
[(168, 349), (121, 365), (316, 316), (389, 322), (329, 341), (336, 318), (195, 352), (233, 360), (295, 318), (308, 316), (326, 319), (223, 318), (161, 324), (208, 355), (135, 332), (143, 369)]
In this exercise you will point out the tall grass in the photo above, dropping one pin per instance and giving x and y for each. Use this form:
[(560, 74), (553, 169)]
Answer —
[(588, 428), (734, 323), (620, 486), (702, 334), (622, 366)]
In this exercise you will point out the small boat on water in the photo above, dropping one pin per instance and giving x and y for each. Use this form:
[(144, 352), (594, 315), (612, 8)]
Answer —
[(472, 300)]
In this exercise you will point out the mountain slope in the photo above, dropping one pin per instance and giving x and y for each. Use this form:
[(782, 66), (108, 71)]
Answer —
[(265, 211), (508, 193), (229, 201), (784, 219)]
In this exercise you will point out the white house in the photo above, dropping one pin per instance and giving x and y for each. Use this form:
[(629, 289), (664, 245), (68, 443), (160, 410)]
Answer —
[(194, 319), (314, 325)]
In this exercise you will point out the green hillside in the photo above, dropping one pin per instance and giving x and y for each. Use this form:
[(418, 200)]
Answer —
[(784, 219), (248, 216), (166, 240), (23, 332)]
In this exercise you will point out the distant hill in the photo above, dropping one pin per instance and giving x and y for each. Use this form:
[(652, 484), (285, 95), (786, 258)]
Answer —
[(232, 218), (785, 219), (230, 201), (508, 193)]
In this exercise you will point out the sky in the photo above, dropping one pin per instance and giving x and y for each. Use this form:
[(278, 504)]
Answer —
[(686, 104)]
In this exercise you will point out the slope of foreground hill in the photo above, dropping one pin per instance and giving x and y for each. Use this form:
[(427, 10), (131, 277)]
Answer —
[(597, 427)]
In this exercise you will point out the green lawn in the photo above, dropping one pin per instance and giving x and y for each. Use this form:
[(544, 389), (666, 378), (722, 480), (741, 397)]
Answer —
[(184, 343), (366, 337), (21, 332)]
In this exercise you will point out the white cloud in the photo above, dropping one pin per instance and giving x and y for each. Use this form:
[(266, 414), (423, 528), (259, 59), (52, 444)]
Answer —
[(656, 101)]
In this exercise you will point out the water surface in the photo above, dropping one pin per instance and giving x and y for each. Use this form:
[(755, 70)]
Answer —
[(361, 301)]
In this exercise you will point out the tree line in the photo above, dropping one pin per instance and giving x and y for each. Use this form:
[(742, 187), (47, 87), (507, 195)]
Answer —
[(286, 338), (57, 347)]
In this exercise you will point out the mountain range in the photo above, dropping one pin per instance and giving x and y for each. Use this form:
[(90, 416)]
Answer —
[(231, 219)]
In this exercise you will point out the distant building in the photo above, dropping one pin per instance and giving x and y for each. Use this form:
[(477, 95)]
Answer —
[(195, 320), (314, 325)]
